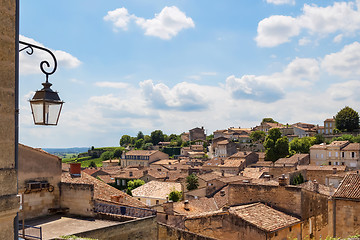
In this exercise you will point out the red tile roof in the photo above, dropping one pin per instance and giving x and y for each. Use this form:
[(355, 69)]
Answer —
[(264, 217), (349, 188), (102, 191)]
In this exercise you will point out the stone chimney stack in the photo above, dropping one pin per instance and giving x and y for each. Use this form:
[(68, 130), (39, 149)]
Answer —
[(75, 169), (282, 180)]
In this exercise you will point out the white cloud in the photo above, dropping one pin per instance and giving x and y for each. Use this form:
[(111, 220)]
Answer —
[(165, 25), (304, 41), (343, 17), (270, 88), (119, 17), (30, 64), (112, 84), (345, 63), (345, 91), (338, 38), (184, 96), (276, 30), (279, 2)]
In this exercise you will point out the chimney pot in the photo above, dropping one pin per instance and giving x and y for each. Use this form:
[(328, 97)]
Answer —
[(75, 169)]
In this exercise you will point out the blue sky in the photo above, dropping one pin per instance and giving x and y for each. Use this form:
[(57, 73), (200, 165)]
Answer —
[(129, 66)]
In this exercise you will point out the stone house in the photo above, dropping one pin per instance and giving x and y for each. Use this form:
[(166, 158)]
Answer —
[(266, 126), (155, 192), (309, 204), (39, 177), (253, 221), (319, 173), (141, 157), (80, 193), (336, 153), (197, 134), (9, 202), (344, 208), (295, 160), (224, 149), (328, 128)]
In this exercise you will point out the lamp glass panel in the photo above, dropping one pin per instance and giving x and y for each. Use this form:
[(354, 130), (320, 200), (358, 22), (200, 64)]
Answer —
[(52, 111), (37, 109)]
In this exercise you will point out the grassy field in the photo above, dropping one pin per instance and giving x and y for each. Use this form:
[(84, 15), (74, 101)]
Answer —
[(85, 161)]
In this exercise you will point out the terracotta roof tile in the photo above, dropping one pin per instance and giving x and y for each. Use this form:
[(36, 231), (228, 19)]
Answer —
[(352, 147), (349, 187), (102, 191), (196, 206), (156, 189), (264, 217), (141, 152), (321, 168)]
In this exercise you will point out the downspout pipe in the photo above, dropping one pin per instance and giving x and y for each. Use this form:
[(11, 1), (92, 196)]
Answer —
[(17, 17)]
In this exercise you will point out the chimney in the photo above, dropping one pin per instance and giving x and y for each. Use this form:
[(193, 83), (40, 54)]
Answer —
[(316, 186), (75, 169), (186, 205), (267, 177), (222, 193), (334, 170), (282, 180), (145, 172), (222, 173)]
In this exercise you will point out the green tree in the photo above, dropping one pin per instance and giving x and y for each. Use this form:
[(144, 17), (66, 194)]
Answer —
[(192, 182), (345, 137), (131, 185), (125, 140), (139, 143), (157, 136), (275, 146), (92, 164), (147, 139), (269, 120), (210, 137), (299, 179), (107, 155), (148, 146), (347, 119), (319, 138), (257, 136), (301, 145), (118, 152), (175, 196), (140, 135)]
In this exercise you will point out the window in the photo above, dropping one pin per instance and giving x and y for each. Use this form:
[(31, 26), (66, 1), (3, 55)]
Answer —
[(353, 154), (336, 154), (317, 155), (157, 202), (322, 155), (343, 154), (329, 154), (329, 163)]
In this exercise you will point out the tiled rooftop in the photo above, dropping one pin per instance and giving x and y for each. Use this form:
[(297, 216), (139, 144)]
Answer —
[(102, 191), (352, 147), (316, 187), (321, 168), (196, 206), (156, 189), (141, 152), (264, 216), (349, 187)]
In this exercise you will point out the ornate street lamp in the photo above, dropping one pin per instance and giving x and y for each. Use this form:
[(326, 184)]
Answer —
[(46, 104)]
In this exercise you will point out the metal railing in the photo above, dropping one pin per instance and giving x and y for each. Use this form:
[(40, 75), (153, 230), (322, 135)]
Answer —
[(123, 210), (30, 232)]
